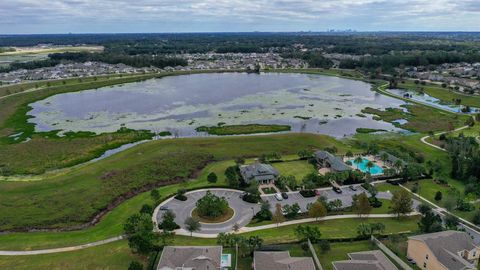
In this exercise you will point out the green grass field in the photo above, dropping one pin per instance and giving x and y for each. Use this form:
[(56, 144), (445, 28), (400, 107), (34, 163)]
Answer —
[(339, 252), (441, 93), (75, 197), (243, 129), (116, 255), (297, 168)]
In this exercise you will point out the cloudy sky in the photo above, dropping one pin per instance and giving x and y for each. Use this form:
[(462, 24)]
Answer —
[(101, 16)]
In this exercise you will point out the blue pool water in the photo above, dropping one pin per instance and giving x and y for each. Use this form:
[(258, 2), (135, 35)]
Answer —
[(363, 167)]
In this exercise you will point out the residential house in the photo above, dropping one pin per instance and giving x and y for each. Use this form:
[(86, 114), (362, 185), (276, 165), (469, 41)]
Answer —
[(334, 163), (280, 260), (197, 258), (262, 173), (365, 260), (447, 250)]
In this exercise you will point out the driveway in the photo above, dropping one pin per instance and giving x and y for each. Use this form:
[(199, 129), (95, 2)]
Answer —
[(182, 209)]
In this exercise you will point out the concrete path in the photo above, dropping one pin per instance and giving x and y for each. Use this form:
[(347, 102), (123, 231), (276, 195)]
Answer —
[(424, 139), (290, 222), (57, 250)]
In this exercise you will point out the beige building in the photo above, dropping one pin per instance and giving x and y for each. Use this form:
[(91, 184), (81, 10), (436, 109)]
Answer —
[(450, 250)]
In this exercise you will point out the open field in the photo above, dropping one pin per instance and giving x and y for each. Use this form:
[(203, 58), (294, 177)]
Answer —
[(336, 229), (74, 198), (441, 93), (297, 168), (420, 118), (116, 255)]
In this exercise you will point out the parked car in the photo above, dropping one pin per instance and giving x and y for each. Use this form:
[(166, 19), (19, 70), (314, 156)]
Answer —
[(317, 192), (410, 260), (242, 195), (284, 195), (337, 190), (163, 207), (278, 196), (354, 188)]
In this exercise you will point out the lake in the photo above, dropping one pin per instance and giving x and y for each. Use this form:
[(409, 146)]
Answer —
[(179, 104)]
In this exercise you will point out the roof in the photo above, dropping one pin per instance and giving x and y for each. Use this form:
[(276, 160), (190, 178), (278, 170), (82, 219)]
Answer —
[(259, 171), (446, 245), (281, 260), (336, 163), (365, 260), (390, 158), (198, 258)]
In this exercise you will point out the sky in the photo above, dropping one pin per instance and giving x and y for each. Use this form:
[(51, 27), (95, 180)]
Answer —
[(155, 16)]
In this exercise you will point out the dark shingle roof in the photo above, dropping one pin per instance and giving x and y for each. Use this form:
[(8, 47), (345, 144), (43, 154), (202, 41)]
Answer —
[(259, 171), (281, 260), (336, 163), (365, 260), (446, 245), (198, 258)]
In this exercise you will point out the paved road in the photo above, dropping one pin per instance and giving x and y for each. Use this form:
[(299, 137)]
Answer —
[(245, 211), (424, 139)]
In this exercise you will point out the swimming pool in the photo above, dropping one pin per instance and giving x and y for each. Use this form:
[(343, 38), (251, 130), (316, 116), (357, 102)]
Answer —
[(363, 167), (226, 260)]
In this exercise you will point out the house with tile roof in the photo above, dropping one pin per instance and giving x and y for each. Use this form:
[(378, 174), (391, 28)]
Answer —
[(365, 260), (259, 172), (451, 250), (191, 258), (280, 260)]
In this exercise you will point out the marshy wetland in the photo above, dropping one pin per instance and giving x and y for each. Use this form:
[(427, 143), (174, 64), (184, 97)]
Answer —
[(182, 104)]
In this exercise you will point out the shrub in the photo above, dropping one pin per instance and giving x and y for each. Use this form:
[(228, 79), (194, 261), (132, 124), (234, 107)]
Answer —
[(375, 202), (307, 193), (212, 177), (438, 196), (181, 195), (251, 198), (134, 265)]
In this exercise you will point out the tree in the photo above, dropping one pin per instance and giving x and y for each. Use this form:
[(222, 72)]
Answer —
[(324, 246), (335, 205), (476, 218), (254, 242), (362, 205), (192, 225), (291, 211), (349, 154), (304, 154), (278, 215), (168, 222), (370, 165), (155, 195), (317, 210), (264, 213), (212, 177), (146, 209), (401, 202), (364, 230), (305, 232), (232, 176), (438, 196), (139, 231), (134, 265), (358, 160), (211, 205), (451, 222), (430, 222)]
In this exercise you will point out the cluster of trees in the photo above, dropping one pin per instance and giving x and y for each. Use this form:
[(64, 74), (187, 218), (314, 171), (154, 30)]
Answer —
[(465, 157), (246, 245), (211, 205)]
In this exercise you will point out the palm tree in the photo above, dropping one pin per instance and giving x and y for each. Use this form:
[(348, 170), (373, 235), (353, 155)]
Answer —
[(398, 165), (370, 165), (384, 157), (358, 160)]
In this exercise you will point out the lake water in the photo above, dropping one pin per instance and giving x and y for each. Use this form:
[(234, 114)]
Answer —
[(179, 104)]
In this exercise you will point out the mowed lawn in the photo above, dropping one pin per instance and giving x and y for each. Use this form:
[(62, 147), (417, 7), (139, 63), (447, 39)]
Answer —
[(337, 229), (339, 252), (116, 255), (444, 94), (297, 168), (73, 198)]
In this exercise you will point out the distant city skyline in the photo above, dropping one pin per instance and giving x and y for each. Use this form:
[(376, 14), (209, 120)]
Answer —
[(123, 16)]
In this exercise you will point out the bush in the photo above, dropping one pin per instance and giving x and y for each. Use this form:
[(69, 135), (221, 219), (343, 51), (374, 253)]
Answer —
[(375, 202), (438, 196), (212, 177), (181, 195), (134, 265), (251, 198), (307, 193), (211, 205)]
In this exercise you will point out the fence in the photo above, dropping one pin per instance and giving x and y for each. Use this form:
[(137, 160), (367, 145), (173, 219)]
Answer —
[(314, 254), (390, 254)]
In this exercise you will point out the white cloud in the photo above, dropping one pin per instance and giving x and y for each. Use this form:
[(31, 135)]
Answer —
[(246, 15)]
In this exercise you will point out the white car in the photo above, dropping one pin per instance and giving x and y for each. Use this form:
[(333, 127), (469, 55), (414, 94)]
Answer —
[(278, 196)]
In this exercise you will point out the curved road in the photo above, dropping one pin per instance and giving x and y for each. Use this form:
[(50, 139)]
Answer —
[(424, 139)]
